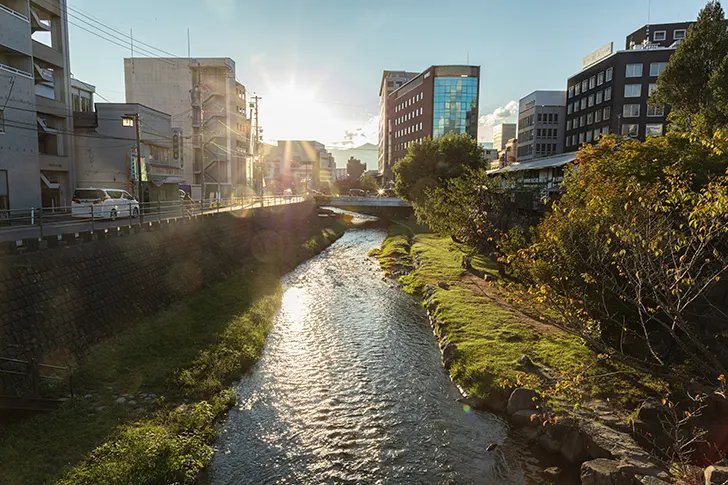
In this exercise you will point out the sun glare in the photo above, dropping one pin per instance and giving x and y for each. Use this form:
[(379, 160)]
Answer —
[(293, 113)]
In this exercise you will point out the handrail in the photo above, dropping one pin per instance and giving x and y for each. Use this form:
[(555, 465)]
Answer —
[(14, 70), (13, 12)]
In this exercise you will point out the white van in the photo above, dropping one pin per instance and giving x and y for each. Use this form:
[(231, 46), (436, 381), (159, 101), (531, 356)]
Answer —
[(106, 203)]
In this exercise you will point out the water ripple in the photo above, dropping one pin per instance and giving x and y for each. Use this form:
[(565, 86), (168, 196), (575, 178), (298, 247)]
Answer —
[(350, 390)]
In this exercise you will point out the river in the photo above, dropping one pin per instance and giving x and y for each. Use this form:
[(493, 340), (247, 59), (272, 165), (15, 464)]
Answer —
[(350, 389)]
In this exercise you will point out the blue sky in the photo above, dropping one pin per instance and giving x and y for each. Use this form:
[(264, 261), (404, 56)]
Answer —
[(331, 53)]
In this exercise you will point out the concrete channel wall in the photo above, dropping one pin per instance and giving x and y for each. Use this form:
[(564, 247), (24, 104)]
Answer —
[(56, 303)]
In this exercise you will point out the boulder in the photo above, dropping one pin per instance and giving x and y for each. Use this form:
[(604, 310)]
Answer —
[(524, 418), (448, 354), (605, 472), (443, 285), (574, 447), (549, 443), (600, 440), (653, 481), (520, 399), (552, 472), (555, 435), (716, 475)]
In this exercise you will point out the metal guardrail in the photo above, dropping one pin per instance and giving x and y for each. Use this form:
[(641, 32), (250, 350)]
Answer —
[(31, 374), (40, 223)]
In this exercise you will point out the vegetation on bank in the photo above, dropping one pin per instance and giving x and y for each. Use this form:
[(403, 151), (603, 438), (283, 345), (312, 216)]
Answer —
[(177, 366)]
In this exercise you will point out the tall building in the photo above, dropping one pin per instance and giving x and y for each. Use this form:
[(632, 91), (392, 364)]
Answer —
[(391, 81), (502, 133), (610, 93), (541, 121), (355, 168), (210, 107), (440, 100), (300, 165), (36, 120)]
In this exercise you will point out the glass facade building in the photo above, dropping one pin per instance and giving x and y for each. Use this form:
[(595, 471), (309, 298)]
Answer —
[(455, 107)]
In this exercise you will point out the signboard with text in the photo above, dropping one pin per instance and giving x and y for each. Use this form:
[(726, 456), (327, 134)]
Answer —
[(597, 55)]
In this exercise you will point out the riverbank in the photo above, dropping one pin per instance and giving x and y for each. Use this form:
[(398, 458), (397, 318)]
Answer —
[(149, 398), (496, 340)]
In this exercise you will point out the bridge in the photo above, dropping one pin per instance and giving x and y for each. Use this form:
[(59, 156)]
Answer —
[(385, 207)]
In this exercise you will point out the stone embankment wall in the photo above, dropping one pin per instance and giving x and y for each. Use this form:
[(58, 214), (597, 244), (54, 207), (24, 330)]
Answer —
[(56, 303)]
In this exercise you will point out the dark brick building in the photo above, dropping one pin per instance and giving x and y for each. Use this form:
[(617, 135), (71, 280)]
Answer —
[(610, 94), (442, 99)]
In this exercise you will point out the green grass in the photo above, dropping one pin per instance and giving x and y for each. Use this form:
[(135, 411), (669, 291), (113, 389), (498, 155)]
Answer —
[(491, 335), (186, 355)]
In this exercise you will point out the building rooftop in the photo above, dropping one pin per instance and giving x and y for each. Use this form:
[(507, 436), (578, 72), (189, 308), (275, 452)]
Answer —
[(546, 162)]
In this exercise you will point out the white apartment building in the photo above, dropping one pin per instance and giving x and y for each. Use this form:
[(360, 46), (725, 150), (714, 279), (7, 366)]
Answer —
[(36, 121), (502, 133), (210, 107)]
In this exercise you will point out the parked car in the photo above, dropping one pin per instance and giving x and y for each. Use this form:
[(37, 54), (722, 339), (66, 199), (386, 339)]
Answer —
[(357, 193), (106, 203)]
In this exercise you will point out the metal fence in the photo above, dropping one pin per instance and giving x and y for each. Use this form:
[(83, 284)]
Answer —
[(40, 223)]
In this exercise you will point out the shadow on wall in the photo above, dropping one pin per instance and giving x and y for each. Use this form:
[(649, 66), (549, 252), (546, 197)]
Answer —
[(57, 303)]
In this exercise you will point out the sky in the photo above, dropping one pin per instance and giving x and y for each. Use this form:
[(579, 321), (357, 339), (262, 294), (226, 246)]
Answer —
[(318, 63)]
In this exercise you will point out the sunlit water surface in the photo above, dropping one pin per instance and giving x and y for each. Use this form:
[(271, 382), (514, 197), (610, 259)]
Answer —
[(350, 390)]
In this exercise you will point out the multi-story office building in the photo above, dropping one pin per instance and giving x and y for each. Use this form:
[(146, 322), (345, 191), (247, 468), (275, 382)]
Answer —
[(610, 93), (391, 81), (541, 121), (502, 133), (440, 100), (210, 107), (299, 165), (36, 121), (104, 160)]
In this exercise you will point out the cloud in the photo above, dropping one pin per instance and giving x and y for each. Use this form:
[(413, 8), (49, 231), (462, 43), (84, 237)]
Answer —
[(499, 115), (365, 131)]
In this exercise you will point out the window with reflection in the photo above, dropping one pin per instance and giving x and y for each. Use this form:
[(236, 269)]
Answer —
[(455, 107)]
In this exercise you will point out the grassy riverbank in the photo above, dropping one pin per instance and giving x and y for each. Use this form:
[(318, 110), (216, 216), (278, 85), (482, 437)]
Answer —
[(152, 395), (492, 329)]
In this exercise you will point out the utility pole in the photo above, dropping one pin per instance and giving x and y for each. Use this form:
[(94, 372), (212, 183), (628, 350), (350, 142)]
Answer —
[(256, 149), (198, 145), (139, 165)]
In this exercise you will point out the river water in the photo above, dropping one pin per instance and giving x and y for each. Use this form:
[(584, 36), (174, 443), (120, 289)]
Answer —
[(350, 390)]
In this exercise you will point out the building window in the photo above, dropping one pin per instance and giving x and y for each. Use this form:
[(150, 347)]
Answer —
[(584, 85), (582, 119), (583, 103), (659, 35), (576, 106), (568, 125), (655, 110), (653, 129), (556, 133), (631, 110), (556, 117), (551, 117), (592, 82), (588, 136), (605, 130), (597, 116), (608, 93), (581, 138), (4, 201), (651, 88), (591, 100), (679, 34), (609, 74), (571, 92), (630, 130), (568, 109), (568, 141), (607, 112), (600, 96), (633, 70), (632, 90), (577, 89), (589, 119), (600, 78), (656, 68), (539, 118)]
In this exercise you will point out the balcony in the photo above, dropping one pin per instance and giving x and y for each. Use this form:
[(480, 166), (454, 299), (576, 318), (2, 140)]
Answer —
[(50, 106), (15, 70), (85, 119), (14, 32)]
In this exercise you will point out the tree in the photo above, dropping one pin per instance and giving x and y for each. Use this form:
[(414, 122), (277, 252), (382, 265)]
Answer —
[(694, 81), (368, 183), (430, 163), (632, 252)]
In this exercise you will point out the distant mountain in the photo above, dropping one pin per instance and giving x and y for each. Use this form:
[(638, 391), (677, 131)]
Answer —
[(367, 153)]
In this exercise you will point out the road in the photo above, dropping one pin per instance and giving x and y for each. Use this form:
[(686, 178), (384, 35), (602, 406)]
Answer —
[(57, 224)]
